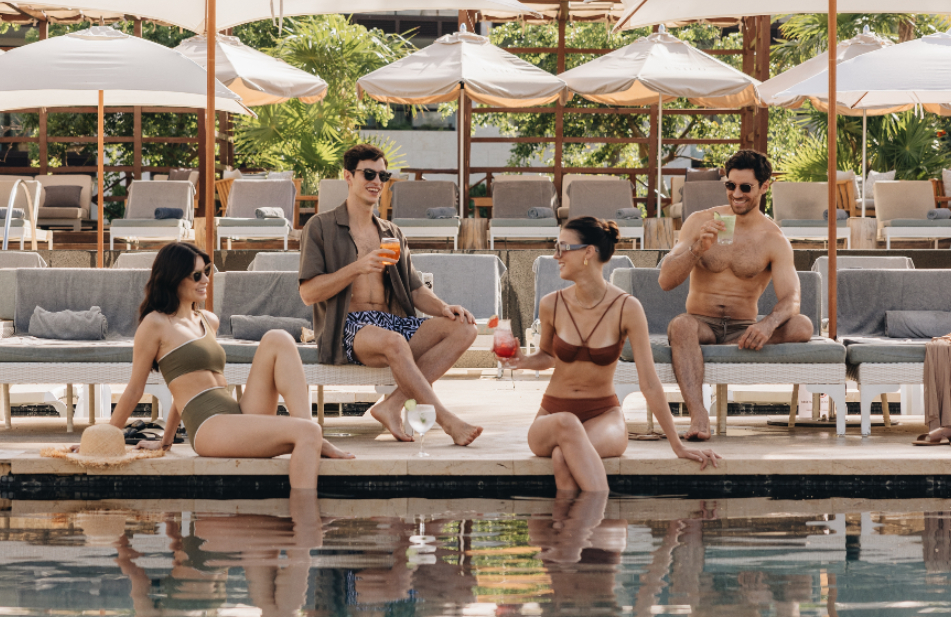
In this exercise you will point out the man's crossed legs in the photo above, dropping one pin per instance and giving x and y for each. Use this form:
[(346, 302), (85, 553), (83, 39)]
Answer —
[(428, 355), (687, 333)]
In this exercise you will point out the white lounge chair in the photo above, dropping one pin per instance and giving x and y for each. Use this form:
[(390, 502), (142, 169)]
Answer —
[(139, 222), (603, 200), (247, 196), (24, 201), (798, 209), (511, 202), (411, 200), (51, 215), (901, 208)]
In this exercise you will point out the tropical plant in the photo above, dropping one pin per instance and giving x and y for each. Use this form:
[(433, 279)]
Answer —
[(310, 139)]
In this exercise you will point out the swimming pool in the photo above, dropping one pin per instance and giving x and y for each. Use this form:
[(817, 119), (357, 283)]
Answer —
[(588, 555)]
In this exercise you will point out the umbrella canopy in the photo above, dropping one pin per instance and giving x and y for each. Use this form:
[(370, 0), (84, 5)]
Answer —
[(70, 70), (258, 78), (914, 73), (190, 14), (640, 13), (772, 91), (437, 73), (661, 65)]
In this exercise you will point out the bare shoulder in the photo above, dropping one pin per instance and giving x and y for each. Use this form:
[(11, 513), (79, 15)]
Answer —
[(154, 325), (212, 319), (547, 303)]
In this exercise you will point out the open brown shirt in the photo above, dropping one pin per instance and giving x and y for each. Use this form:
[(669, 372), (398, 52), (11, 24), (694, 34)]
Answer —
[(326, 247)]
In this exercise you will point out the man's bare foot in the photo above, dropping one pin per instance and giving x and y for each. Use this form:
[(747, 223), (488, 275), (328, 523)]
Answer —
[(462, 433), (328, 450), (697, 432), (390, 415)]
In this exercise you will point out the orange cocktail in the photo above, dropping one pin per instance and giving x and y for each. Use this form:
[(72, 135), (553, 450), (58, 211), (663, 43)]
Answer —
[(392, 245)]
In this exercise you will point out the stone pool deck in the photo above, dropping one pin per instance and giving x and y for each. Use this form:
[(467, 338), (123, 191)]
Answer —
[(752, 448)]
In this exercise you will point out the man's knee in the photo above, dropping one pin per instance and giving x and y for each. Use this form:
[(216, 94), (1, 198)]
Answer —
[(393, 346), (798, 329), (466, 332), (682, 328)]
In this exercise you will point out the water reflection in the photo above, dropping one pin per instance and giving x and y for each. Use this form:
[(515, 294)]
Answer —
[(585, 555)]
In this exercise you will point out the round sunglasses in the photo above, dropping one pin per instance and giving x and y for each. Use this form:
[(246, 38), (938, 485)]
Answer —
[(206, 271)]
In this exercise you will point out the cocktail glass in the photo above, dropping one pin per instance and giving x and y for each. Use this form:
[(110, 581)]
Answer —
[(422, 418), (393, 245), (504, 343), (725, 236)]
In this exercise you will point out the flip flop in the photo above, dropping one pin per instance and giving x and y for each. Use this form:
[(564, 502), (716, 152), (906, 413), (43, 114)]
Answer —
[(134, 437), (644, 436), (923, 440)]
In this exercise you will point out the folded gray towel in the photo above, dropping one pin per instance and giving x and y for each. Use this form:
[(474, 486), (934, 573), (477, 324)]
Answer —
[(254, 327), (939, 213), (444, 212), (840, 214), (88, 325), (541, 212), (628, 213), (17, 213), (268, 213), (169, 213)]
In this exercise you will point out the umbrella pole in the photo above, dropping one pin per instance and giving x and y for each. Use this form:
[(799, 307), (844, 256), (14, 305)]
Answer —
[(833, 108), (210, 33), (461, 145), (660, 156), (864, 163), (99, 173)]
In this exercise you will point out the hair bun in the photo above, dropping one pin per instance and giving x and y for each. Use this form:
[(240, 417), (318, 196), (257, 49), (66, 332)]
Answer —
[(611, 229)]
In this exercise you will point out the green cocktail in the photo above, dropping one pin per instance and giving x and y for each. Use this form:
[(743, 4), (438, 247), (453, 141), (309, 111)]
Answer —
[(725, 236)]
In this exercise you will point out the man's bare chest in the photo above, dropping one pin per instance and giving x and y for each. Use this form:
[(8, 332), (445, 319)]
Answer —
[(366, 241), (745, 261)]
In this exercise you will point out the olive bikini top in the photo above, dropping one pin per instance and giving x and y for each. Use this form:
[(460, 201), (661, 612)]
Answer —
[(602, 356), (199, 354)]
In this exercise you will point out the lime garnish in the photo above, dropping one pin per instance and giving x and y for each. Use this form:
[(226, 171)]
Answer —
[(410, 404), (717, 217)]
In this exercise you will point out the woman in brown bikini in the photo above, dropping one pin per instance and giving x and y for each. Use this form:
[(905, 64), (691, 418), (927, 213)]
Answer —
[(583, 329)]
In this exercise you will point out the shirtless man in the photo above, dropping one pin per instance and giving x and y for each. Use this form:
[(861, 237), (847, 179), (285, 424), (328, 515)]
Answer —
[(726, 281), (365, 304)]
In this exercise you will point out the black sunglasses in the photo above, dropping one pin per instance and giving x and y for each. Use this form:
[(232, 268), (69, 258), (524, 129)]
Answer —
[(370, 174), (731, 186), (206, 271)]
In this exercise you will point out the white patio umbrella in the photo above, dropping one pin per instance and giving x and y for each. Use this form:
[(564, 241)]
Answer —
[(102, 66), (462, 66), (259, 79), (660, 68), (773, 91)]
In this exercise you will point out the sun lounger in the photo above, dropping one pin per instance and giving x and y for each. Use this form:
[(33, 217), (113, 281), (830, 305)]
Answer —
[(472, 281), (876, 361), (139, 222), (820, 363), (701, 195), (603, 200), (901, 208), (798, 209), (25, 198), (410, 202), (677, 183), (49, 215), (246, 196), (566, 181), (511, 202), (844, 262)]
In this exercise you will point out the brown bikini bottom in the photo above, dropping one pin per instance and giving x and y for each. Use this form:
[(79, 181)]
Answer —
[(584, 408)]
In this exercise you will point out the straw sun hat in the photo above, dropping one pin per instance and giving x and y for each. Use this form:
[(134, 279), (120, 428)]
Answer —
[(102, 445)]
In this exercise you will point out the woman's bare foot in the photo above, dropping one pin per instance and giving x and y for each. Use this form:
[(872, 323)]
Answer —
[(390, 415), (328, 450), (462, 433)]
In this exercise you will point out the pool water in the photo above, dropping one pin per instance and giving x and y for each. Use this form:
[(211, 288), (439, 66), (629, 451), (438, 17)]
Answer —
[(588, 555)]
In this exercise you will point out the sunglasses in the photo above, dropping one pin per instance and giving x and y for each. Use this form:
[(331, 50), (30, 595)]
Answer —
[(731, 186), (206, 271), (370, 174), (564, 247)]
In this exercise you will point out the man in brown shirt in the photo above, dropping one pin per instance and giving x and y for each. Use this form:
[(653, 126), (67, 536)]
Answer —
[(365, 305)]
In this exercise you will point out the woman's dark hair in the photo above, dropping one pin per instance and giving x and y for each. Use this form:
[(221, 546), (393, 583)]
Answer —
[(599, 233), (172, 265)]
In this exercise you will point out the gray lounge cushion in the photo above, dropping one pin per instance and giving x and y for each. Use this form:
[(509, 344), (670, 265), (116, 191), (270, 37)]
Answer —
[(21, 259), (278, 262), (917, 324), (817, 351), (14, 224), (255, 222), (261, 293), (268, 213), (31, 349), (541, 212), (254, 327), (157, 223), (917, 223), (63, 196), (17, 213), (444, 212), (939, 213), (840, 214), (169, 213), (44, 212), (627, 213), (524, 223), (877, 350), (242, 352), (864, 297), (630, 223), (90, 325), (453, 222), (812, 223)]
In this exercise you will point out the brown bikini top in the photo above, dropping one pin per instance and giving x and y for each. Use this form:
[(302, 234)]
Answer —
[(603, 356)]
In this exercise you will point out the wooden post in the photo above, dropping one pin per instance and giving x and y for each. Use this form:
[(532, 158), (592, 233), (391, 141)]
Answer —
[(137, 143), (833, 283), (653, 203), (101, 227), (467, 150), (43, 142), (722, 407), (137, 27), (210, 30), (70, 408), (764, 40), (43, 29)]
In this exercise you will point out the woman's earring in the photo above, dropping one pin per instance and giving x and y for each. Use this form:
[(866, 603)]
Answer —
[(586, 261)]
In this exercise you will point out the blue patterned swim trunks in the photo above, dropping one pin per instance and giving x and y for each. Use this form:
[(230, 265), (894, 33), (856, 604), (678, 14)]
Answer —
[(406, 326)]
